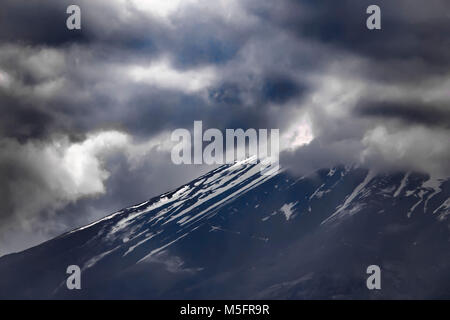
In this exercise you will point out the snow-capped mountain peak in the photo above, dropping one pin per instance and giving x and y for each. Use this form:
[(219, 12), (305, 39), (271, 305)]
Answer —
[(235, 232)]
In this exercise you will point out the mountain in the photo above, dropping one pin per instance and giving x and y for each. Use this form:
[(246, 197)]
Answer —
[(236, 234)]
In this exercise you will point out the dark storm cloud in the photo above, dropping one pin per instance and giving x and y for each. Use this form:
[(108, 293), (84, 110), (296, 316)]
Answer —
[(36, 22), (413, 40), (279, 89), (107, 39), (410, 112), (271, 88), (21, 121), (405, 64)]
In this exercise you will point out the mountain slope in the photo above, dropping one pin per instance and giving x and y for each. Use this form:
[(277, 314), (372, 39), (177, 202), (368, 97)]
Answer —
[(234, 233)]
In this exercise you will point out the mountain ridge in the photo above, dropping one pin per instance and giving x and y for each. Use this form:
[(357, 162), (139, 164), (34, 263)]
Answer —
[(224, 234)]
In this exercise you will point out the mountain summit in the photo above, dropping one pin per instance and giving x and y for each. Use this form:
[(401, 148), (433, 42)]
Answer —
[(236, 234)]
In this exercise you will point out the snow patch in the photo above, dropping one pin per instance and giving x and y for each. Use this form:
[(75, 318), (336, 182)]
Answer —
[(402, 184), (287, 210), (357, 191)]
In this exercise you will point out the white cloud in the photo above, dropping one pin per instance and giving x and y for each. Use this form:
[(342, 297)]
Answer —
[(299, 134), (42, 179), (5, 79), (161, 8), (415, 148), (161, 74), (46, 177), (165, 10), (44, 63), (56, 173)]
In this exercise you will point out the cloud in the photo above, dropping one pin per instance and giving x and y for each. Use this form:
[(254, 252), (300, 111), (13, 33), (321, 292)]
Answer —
[(409, 112), (53, 173), (416, 148), (357, 121), (41, 178), (161, 74)]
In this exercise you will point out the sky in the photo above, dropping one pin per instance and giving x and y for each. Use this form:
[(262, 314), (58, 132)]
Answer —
[(86, 115)]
